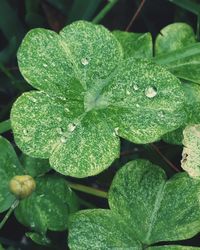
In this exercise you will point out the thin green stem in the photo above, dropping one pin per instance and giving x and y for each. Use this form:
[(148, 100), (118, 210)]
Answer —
[(6, 217), (5, 126), (104, 11), (88, 190)]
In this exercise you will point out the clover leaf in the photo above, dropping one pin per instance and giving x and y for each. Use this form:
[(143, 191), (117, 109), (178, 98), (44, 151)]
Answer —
[(191, 151), (49, 206), (145, 208), (176, 47), (136, 45), (192, 106), (88, 97)]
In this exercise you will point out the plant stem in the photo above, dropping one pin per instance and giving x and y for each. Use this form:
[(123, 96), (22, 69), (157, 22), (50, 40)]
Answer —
[(135, 15), (5, 126), (6, 217), (88, 190), (164, 157), (104, 11)]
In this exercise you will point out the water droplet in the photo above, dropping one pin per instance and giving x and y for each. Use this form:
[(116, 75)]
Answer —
[(161, 114), (150, 92), (66, 109), (71, 127), (45, 65), (63, 139), (85, 61), (25, 131), (135, 87), (116, 131), (59, 130), (32, 224)]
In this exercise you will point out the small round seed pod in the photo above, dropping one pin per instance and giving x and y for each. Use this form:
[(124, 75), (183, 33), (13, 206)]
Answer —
[(22, 186)]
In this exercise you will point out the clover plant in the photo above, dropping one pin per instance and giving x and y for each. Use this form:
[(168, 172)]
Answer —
[(92, 88)]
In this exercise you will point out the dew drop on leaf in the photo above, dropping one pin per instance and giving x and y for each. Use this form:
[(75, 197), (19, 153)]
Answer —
[(71, 127), (84, 61), (150, 92), (135, 87)]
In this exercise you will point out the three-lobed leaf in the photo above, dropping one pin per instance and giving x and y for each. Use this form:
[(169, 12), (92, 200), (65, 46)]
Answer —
[(49, 206), (145, 208), (88, 97), (191, 151)]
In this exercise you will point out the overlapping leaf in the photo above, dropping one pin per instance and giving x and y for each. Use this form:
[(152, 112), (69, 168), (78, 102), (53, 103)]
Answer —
[(136, 45), (89, 95), (49, 206), (177, 49), (145, 208), (9, 167), (191, 152)]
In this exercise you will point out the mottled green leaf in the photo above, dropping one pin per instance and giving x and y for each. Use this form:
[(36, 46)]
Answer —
[(34, 166), (38, 238), (151, 208), (192, 107), (100, 229), (191, 152), (136, 45), (177, 49), (49, 206), (9, 167), (91, 97), (168, 247)]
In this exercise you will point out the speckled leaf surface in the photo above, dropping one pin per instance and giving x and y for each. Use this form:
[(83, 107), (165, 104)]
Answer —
[(177, 49), (79, 129), (100, 229), (138, 45), (49, 205), (9, 167), (34, 166), (167, 247), (191, 151), (192, 107), (152, 208), (38, 238)]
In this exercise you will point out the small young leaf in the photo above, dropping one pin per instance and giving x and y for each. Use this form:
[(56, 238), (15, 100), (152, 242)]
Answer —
[(38, 238), (91, 96), (167, 247), (34, 166), (192, 107), (9, 167), (191, 152), (177, 49), (136, 45), (48, 207), (151, 209)]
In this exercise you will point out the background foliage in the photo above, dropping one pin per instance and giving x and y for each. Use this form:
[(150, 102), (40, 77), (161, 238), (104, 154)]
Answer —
[(18, 17)]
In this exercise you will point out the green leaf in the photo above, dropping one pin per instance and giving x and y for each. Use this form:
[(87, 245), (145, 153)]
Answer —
[(49, 205), (1, 248), (191, 160), (106, 231), (89, 96), (38, 238), (34, 166), (9, 167), (136, 45), (177, 49), (151, 208), (192, 106), (168, 247)]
